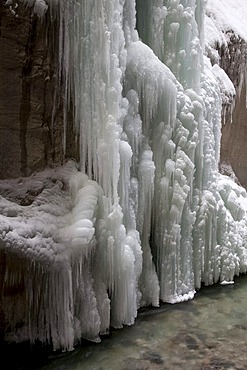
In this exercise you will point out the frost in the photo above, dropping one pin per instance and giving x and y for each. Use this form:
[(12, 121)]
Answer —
[(227, 282), (225, 44), (226, 16), (228, 91)]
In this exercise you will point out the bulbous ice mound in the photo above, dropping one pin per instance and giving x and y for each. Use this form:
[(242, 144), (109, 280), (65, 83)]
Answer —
[(64, 255), (44, 217), (47, 235)]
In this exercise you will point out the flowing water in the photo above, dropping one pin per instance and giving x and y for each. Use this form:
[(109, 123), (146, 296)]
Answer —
[(208, 332)]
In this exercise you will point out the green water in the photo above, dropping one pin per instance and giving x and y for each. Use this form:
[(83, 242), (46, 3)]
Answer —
[(209, 332)]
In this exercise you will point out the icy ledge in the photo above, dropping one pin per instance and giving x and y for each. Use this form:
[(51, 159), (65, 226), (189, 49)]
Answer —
[(39, 231), (47, 247)]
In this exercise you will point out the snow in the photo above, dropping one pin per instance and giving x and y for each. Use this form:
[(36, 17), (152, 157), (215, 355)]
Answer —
[(227, 282), (44, 229), (145, 216), (225, 37), (225, 16), (227, 88)]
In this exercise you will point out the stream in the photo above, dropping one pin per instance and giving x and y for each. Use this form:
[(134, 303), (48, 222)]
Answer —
[(208, 332)]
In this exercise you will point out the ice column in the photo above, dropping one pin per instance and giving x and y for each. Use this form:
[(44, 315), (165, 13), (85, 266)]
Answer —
[(93, 65), (171, 118)]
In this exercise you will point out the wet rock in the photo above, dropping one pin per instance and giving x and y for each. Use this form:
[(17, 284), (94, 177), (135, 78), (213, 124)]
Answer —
[(191, 342), (233, 148), (134, 364), (211, 345), (153, 357), (242, 327), (187, 340), (187, 307), (219, 364), (201, 336)]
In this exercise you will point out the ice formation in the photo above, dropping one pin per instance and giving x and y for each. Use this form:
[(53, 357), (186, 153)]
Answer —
[(225, 44), (147, 216)]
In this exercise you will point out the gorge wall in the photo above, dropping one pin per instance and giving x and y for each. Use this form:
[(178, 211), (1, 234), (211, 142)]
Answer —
[(31, 109), (225, 44), (144, 215), (233, 59)]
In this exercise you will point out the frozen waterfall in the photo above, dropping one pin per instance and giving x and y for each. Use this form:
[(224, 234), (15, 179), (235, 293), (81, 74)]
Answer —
[(145, 216)]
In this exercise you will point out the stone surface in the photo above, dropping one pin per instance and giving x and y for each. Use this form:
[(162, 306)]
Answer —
[(31, 119), (234, 131), (234, 140)]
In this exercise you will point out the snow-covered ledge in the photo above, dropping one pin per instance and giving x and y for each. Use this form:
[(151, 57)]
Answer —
[(226, 46), (47, 234)]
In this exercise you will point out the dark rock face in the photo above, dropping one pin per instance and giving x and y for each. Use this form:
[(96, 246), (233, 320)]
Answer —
[(234, 131), (31, 119), (234, 138)]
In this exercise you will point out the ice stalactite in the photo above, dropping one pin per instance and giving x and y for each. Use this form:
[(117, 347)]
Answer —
[(173, 116), (147, 217), (93, 66)]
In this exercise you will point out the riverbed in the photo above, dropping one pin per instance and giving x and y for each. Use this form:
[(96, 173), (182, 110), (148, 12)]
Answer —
[(208, 332)]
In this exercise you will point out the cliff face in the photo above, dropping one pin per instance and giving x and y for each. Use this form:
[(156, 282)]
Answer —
[(30, 120), (234, 131), (226, 41), (234, 137)]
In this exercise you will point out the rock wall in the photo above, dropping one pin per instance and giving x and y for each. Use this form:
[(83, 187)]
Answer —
[(234, 139), (233, 59), (31, 118)]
